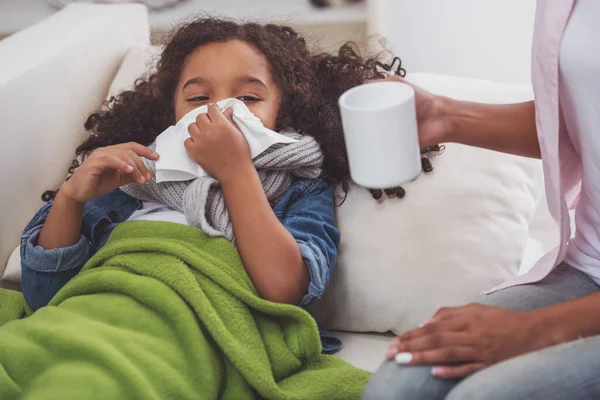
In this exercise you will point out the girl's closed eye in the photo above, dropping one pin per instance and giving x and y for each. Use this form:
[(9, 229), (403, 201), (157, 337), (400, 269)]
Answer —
[(198, 98), (245, 99), (248, 99)]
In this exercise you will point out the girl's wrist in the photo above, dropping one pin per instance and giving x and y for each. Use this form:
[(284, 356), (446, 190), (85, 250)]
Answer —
[(66, 194), (241, 172)]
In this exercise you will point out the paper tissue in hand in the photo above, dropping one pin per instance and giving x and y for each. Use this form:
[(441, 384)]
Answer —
[(175, 164)]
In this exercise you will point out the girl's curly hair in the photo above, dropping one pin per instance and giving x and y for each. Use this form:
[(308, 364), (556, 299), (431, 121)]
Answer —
[(310, 83)]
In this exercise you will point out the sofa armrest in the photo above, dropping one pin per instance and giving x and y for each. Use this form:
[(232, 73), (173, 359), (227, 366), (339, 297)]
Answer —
[(52, 75)]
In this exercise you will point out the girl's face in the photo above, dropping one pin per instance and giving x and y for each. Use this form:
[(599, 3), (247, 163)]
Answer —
[(218, 71)]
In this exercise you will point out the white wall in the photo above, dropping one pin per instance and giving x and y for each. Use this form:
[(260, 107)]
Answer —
[(488, 39)]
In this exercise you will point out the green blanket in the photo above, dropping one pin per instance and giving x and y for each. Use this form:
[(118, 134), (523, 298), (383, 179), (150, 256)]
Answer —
[(164, 312)]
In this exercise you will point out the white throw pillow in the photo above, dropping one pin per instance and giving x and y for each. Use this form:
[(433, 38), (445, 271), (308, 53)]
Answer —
[(459, 230)]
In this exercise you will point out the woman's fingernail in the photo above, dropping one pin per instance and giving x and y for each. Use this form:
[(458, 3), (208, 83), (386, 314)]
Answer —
[(403, 358), (436, 371), (129, 168), (391, 353), (422, 324)]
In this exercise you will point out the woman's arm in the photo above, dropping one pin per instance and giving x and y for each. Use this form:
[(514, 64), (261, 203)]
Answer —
[(508, 128), (269, 252), (570, 320)]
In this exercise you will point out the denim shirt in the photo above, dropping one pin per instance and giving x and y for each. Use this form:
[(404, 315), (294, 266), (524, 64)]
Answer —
[(306, 209)]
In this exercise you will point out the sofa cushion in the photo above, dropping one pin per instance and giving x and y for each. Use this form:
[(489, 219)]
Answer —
[(460, 230), (138, 62), (52, 75)]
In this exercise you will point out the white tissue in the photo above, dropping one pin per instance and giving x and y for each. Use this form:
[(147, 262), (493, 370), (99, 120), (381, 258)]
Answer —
[(175, 164)]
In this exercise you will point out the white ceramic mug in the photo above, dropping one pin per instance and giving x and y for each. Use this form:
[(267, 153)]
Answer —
[(380, 129)]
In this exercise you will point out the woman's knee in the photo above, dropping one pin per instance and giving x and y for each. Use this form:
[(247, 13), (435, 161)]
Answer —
[(392, 381)]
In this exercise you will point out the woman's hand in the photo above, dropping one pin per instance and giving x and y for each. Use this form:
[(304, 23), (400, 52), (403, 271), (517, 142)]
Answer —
[(434, 125), (217, 145), (508, 128), (108, 168), (463, 340)]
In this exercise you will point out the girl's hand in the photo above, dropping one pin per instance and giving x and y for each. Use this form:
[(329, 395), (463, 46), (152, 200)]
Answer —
[(217, 145), (460, 341), (108, 168), (434, 124)]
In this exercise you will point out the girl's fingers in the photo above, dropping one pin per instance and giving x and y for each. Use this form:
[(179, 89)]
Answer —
[(228, 114), (116, 163), (141, 166), (137, 174), (194, 130), (216, 116), (214, 113), (189, 144), (202, 120), (142, 151)]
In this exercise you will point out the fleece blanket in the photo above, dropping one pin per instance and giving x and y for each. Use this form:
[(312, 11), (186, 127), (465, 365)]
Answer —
[(164, 312)]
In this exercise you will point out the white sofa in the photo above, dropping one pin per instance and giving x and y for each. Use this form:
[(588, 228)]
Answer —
[(478, 218)]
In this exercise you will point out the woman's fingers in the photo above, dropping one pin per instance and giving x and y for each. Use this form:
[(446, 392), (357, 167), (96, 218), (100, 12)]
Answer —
[(435, 341), (392, 78), (441, 356), (434, 326), (433, 330), (457, 371)]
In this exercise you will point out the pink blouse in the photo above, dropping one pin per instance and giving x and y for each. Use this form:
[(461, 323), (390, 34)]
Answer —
[(562, 165)]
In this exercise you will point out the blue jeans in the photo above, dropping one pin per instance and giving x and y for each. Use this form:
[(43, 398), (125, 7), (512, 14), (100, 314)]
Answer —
[(566, 371)]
